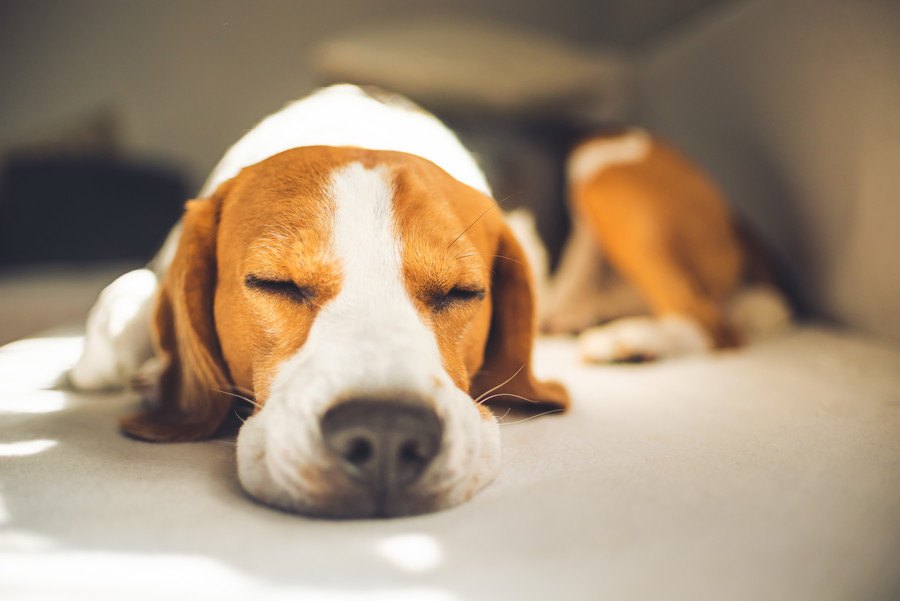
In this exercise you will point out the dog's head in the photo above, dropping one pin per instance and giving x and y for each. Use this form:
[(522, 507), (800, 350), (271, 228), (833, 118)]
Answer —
[(368, 301)]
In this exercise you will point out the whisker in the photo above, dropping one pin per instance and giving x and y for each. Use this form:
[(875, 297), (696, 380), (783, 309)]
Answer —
[(237, 396), (509, 259), (238, 415), (509, 394), (510, 195), (463, 256), (503, 383), (486, 211), (532, 417)]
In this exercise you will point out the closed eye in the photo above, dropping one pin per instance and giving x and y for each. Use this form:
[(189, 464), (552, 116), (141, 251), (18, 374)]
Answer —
[(283, 288), (457, 295)]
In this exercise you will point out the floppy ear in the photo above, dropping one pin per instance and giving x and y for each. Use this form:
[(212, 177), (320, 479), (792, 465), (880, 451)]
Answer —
[(190, 406), (511, 337)]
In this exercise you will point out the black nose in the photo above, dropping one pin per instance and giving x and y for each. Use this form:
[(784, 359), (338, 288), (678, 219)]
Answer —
[(384, 444)]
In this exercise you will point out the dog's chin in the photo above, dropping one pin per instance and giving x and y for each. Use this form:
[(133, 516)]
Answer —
[(325, 492)]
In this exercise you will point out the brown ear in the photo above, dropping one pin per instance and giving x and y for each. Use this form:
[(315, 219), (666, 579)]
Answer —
[(510, 341), (190, 405)]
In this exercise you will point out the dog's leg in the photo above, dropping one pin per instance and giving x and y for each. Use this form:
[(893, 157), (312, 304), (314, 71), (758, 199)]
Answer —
[(117, 336), (575, 295), (686, 319), (756, 312)]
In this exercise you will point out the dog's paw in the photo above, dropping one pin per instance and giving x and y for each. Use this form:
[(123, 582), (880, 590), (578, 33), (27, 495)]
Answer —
[(637, 339), (117, 336)]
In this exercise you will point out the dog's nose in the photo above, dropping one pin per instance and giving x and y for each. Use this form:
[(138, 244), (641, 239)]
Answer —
[(385, 444)]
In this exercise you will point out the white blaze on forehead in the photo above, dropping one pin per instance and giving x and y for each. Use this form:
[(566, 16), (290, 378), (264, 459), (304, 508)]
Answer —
[(365, 238), (370, 332)]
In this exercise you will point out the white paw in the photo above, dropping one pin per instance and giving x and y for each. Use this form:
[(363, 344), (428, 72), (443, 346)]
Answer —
[(643, 339), (117, 337)]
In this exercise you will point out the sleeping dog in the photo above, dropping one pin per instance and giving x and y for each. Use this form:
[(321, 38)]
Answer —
[(655, 266), (346, 269)]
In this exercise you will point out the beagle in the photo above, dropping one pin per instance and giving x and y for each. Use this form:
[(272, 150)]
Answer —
[(346, 270), (651, 234)]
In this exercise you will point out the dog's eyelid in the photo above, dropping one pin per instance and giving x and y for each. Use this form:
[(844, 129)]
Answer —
[(283, 287), (467, 292), (459, 294)]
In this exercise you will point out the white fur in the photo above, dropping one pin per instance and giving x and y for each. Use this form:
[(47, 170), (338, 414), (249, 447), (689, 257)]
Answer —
[(341, 115), (117, 339), (367, 342), (344, 115), (643, 337), (591, 158)]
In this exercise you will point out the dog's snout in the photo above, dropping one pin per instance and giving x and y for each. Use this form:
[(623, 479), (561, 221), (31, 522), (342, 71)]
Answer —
[(386, 445)]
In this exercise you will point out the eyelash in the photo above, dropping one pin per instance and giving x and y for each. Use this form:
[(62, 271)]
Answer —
[(455, 296), (284, 288)]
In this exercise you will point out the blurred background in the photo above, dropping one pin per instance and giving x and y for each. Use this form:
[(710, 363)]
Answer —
[(112, 113)]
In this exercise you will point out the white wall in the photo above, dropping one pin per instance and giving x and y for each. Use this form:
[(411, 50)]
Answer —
[(187, 77), (794, 105)]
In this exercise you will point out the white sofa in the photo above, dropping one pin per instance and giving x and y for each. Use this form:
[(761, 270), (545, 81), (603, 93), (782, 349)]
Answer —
[(771, 472)]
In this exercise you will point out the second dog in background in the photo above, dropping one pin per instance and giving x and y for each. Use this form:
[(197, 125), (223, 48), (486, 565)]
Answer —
[(655, 265)]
